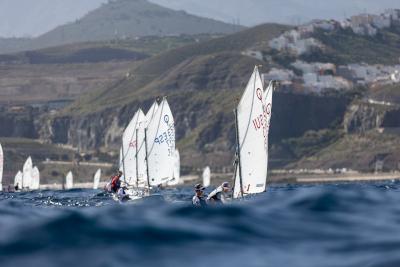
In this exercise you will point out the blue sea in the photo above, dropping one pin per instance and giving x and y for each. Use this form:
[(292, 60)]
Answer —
[(289, 225)]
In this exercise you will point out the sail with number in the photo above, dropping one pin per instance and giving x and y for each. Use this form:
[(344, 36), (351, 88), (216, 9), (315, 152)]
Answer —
[(130, 148), (1, 167), (206, 176), (160, 144), (96, 179), (69, 181), (177, 169), (35, 185), (27, 173), (18, 180), (251, 139)]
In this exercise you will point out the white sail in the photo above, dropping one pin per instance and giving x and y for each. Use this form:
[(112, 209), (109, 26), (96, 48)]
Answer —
[(251, 136), (18, 180), (129, 144), (177, 169), (35, 185), (96, 179), (267, 114), (69, 181), (206, 176), (1, 167), (27, 173), (161, 145), (151, 112), (237, 193)]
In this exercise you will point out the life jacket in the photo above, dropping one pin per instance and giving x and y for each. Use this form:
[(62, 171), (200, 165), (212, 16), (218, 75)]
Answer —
[(199, 201), (216, 195), (115, 183)]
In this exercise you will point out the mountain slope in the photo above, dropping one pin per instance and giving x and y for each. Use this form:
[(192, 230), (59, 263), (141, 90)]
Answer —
[(119, 20)]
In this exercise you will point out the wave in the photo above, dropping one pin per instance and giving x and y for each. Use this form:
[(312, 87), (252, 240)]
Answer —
[(318, 225)]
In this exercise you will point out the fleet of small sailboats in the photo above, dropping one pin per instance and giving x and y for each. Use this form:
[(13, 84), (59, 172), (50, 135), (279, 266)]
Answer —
[(148, 156)]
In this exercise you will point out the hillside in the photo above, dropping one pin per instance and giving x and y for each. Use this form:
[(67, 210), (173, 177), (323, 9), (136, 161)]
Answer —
[(121, 19), (203, 80)]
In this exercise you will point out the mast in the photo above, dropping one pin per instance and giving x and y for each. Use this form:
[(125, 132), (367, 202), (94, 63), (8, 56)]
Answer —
[(123, 160), (147, 157), (238, 152), (137, 161)]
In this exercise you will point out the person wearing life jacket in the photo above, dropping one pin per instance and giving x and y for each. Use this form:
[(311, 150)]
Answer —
[(219, 195), (199, 199), (116, 182)]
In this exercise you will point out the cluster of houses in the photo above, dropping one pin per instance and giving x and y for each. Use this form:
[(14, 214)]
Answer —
[(318, 77), (300, 41)]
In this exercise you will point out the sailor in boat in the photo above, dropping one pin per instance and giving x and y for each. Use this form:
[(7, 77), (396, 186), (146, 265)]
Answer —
[(122, 196), (115, 183), (220, 194), (199, 200), (16, 187)]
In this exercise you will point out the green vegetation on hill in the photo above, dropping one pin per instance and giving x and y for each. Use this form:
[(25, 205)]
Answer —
[(345, 47), (190, 67)]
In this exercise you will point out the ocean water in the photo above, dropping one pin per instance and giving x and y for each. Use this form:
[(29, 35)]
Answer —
[(309, 225)]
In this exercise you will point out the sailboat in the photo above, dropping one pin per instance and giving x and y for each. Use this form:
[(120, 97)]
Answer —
[(35, 185), (27, 174), (206, 177), (251, 139), (96, 179), (1, 167), (129, 149), (160, 146), (18, 181), (177, 170), (69, 181)]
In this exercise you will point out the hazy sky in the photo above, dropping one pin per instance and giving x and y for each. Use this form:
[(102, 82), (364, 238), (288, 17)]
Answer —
[(252, 12), (34, 17)]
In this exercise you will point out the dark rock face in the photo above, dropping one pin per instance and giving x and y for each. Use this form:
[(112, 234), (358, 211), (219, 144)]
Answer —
[(209, 132), (361, 117), (18, 123)]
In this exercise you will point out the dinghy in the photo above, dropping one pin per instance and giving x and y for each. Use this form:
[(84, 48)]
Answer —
[(27, 174), (206, 177), (18, 181), (160, 146), (1, 167), (177, 170), (129, 151), (69, 181), (35, 185), (96, 179), (251, 139)]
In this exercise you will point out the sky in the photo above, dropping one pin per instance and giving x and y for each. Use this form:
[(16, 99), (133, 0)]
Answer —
[(21, 18)]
